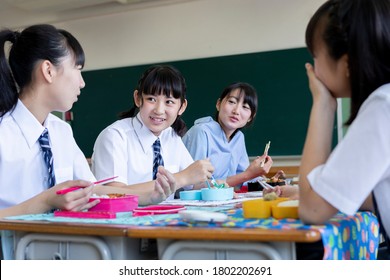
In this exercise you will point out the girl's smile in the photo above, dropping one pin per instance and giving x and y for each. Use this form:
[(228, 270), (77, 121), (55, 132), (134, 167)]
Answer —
[(158, 112)]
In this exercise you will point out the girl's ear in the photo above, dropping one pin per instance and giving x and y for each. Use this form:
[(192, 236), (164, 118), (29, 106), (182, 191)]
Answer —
[(183, 107), (251, 118), (137, 99), (218, 105), (47, 70)]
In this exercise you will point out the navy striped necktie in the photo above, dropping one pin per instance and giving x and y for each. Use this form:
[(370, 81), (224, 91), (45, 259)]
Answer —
[(44, 141), (157, 158)]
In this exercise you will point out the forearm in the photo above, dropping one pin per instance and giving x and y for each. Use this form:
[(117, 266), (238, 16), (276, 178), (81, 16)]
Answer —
[(238, 179), (318, 142), (316, 151), (33, 205)]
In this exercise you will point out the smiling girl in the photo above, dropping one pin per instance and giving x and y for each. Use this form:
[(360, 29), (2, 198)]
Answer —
[(126, 147), (221, 139)]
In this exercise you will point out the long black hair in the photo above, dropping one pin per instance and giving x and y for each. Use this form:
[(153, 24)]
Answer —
[(37, 42), (161, 79), (361, 30)]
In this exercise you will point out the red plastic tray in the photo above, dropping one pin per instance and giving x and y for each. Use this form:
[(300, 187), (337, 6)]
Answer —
[(157, 210)]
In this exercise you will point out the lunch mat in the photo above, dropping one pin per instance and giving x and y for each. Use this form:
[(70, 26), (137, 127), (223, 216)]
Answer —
[(344, 237)]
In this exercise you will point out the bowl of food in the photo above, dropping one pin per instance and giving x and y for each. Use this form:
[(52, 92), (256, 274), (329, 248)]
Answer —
[(115, 202), (217, 193)]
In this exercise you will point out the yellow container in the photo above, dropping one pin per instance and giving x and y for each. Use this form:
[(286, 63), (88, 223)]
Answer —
[(280, 211), (259, 208)]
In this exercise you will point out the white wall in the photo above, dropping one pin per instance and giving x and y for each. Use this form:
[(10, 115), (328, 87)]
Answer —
[(194, 29)]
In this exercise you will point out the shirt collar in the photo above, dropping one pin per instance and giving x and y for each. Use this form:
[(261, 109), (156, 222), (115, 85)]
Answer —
[(28, 124), (145, 136)]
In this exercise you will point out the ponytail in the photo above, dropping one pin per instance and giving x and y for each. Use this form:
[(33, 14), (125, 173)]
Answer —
[(33, 44), (179, 126), (8, 87)]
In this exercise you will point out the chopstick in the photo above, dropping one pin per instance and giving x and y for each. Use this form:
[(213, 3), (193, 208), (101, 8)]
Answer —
[(70, 189), (265, 153), (265, 185), (214, 183)]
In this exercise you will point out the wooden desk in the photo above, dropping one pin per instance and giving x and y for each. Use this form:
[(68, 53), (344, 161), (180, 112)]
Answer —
[(344, 237), (173, 242), (237, 234), (64, 240)]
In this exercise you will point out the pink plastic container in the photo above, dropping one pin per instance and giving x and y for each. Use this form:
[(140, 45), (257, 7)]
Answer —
[(157, 210), (116, 204)]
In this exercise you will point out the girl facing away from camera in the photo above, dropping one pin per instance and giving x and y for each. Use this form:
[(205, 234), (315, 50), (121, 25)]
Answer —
[(350, 43)]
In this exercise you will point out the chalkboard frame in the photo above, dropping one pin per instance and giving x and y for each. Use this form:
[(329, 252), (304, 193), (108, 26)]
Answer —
[(279, 77)]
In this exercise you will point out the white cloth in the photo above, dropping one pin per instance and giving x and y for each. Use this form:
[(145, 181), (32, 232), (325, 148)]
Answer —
[(360, 163), (124, 149), (23, 172)]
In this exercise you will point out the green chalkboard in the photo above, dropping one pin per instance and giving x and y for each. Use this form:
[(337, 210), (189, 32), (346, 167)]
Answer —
[(278, 76)]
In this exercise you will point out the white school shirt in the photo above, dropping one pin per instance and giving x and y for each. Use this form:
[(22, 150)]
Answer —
[(360, 163), (124, 149), (23, 172)]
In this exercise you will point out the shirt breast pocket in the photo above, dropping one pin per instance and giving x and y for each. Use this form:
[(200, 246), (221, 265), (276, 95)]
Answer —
[(63, 174)]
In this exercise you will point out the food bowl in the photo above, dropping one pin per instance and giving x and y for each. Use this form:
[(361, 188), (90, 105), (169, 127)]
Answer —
[(285, 209), (191, 195), (217, 194), (124, 203)]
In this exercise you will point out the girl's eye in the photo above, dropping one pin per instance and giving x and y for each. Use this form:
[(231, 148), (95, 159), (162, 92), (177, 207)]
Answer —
[(232, 101), (170, 102), (246, 107), (150, 99)]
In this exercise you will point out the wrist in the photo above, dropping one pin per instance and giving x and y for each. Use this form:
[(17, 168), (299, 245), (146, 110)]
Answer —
[(180, 180)]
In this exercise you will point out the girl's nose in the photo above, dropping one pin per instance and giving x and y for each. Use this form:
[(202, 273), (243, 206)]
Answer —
[(82, 83), (236, 110), (159, 108)]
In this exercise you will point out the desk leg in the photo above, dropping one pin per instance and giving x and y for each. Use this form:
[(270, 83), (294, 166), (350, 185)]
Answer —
[(76, 247), (233, 250)]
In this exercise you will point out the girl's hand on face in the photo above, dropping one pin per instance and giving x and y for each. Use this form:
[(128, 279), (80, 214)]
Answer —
[(72, 201), (317, 88), (165, 185)]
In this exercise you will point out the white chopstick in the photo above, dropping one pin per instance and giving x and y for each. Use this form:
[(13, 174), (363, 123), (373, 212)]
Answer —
[(265, 153), (265, 185)]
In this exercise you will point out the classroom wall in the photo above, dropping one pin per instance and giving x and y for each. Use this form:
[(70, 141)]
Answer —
[(187, 31), (192, 29)]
